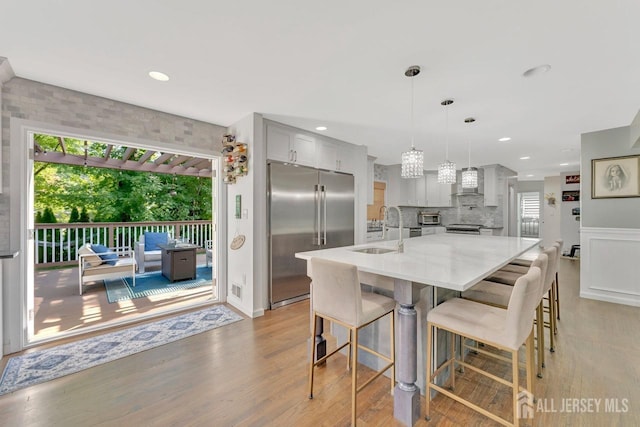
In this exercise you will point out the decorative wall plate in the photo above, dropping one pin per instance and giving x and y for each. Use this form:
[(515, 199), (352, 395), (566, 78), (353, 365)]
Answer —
[(237, 242)]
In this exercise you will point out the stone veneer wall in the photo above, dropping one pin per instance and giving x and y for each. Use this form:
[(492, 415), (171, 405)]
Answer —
[(43, 103)]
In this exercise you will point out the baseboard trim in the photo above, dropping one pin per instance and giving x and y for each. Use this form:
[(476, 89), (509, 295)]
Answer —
[(610, 298)]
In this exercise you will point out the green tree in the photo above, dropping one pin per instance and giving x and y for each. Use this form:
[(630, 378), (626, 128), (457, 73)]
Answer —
[(74, 216), (112, 195), (84, 216)]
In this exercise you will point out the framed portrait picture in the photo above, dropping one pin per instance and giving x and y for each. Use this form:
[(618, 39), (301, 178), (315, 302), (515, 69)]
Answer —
[(615, 177)]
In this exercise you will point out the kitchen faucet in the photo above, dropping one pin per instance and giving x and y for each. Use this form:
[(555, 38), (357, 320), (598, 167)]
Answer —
[(400, 240), (383, 210)]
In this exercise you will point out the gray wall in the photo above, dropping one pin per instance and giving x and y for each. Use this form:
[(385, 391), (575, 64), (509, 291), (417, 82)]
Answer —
[(43, 103), (607, 213)]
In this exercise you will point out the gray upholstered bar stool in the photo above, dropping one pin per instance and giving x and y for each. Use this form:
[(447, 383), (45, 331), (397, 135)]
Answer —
[(526, 263), (498, 294), (506, 330), (336, 296), (509, 277), (553, 298)]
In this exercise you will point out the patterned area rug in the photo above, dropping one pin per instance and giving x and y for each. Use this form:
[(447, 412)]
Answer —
[(40, 366), (152, 283)]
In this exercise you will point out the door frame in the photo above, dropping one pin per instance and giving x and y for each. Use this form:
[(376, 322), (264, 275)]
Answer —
[(16, 333)]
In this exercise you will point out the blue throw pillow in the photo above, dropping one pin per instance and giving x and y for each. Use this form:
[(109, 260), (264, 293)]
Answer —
[(106, 254), (151, 240)]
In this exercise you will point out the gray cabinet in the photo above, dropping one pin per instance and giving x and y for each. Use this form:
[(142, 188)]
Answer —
[(288, 146), (491, 190), (438, 195)]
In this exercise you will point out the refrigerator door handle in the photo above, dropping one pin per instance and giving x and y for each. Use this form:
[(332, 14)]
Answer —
[(324, 214), (316, 222)]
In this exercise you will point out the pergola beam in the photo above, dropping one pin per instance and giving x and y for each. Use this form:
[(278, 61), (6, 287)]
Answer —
[(131, 165), (128, 153)]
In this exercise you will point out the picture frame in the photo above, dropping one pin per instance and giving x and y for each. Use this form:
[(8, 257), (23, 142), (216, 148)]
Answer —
[(571, 196), (615, 177), (572, 179)]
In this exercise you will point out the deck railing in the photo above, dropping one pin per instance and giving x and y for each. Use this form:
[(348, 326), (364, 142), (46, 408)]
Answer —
[(56, 244)]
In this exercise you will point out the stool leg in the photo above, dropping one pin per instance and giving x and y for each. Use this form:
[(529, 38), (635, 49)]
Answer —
[(557, 297), (516, 386), (313, 355), (552, 341), (452, 368), (529, 347), (354, 377), (392, 346), (427, 369), (540, 330)]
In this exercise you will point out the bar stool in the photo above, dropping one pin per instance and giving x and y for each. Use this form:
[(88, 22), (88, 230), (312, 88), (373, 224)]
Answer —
[(526, 263), (336, 296), (509, 274), (499, 294), (504, 329)]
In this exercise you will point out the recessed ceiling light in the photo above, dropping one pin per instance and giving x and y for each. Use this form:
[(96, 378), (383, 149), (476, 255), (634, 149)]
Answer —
[(505, 139), (321, 128), (540, 69), (566, 150), (525, 158), (157, 75), (529, 176), (564, 164)]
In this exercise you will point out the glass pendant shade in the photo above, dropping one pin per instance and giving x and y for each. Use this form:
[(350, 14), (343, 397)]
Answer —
[(447, 173), (412, 163), (470, 177)]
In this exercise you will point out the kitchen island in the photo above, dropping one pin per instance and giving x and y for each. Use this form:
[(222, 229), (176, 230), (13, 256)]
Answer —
[(453, 262)]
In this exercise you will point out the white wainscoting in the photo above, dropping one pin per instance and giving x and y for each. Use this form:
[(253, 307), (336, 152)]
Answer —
[(610, 265)]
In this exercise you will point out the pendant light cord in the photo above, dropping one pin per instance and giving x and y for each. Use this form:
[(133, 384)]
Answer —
[(446, 150), (412, 120)]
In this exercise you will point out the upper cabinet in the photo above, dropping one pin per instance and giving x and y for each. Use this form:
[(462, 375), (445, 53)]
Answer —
[(334, 156), (491, 190), (370, 178), (438, 195), (288, 146), (403, 192), (292, 145)]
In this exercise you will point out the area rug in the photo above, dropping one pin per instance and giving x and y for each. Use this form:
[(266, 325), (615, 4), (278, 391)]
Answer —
[(152, 283), (44, 365)]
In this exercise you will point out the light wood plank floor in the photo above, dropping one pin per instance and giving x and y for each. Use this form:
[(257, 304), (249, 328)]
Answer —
[(254, 373)]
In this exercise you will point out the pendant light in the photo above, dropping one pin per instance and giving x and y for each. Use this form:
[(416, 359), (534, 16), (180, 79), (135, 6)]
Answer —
[(412, 160), (469, 174), (447, 169)]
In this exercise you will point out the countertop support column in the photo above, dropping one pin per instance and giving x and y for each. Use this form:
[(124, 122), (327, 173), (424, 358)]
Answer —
[(406, 406)]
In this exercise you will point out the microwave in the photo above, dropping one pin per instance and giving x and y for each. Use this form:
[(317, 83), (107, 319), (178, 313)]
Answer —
[(429, 218)]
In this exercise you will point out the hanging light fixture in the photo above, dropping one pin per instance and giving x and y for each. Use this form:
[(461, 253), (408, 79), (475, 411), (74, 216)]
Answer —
[(469, 174), (412, 160), (447, 169)]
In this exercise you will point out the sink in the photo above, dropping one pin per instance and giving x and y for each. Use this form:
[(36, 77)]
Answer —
[(374, 250)]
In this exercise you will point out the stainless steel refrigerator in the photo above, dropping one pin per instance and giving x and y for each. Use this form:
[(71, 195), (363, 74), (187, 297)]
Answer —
[(309, 209)]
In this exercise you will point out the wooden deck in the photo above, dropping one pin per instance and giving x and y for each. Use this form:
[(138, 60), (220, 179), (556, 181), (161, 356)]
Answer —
[(58, 307)]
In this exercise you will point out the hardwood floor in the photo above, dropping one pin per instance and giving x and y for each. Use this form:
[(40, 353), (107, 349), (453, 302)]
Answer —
[(254, 373)]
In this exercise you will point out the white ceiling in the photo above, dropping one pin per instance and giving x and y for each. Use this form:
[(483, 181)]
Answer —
[(341, 63)]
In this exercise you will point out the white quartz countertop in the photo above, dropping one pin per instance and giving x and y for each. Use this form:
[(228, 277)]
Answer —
[(452, 261)]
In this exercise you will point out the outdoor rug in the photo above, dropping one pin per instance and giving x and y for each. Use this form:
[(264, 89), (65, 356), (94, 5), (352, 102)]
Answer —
[(152, 283), (44, 365)]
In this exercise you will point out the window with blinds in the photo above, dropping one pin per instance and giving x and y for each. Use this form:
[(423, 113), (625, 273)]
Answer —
[(529, 214)]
